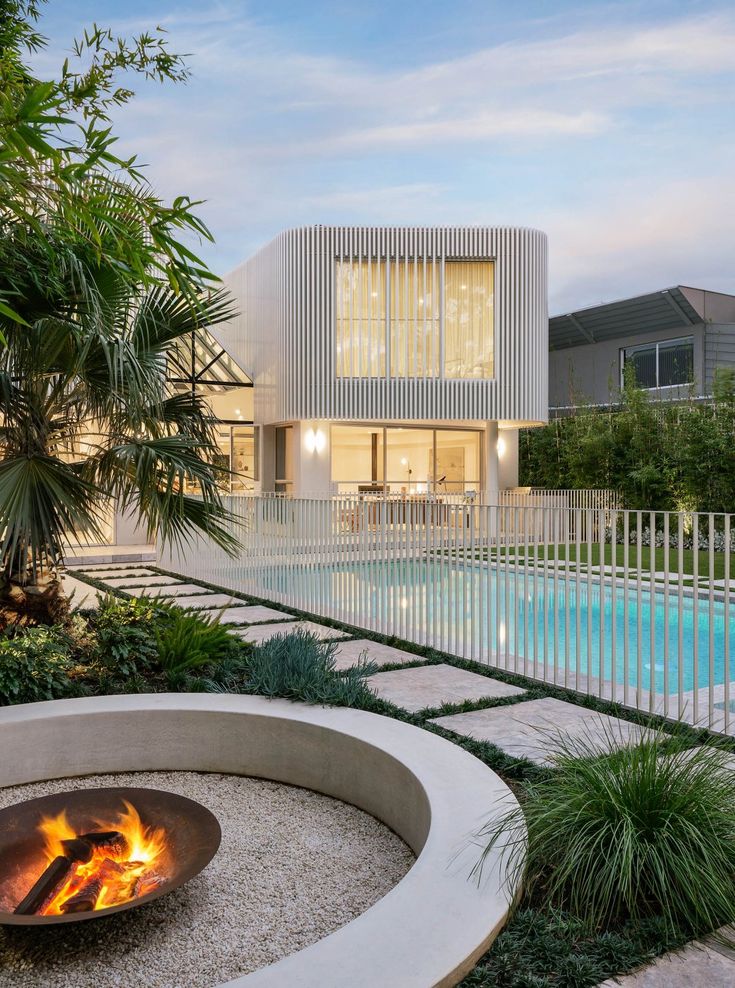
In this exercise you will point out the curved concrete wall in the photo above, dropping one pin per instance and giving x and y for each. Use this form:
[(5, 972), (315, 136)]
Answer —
[(428, 930)]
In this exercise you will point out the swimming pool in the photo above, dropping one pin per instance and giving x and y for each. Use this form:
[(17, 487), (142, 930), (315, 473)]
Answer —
[(560, 620)]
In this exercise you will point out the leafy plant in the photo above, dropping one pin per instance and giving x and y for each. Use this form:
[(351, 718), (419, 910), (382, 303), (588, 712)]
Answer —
[(187, 640), (299, 666), (125, 643), (35, 665), (642, 831), (97, 296)]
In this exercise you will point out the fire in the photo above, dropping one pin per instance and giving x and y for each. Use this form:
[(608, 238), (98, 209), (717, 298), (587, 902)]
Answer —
[(115, 861)]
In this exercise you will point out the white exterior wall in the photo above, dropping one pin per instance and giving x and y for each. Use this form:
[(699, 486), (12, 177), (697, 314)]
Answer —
[(285, 335)]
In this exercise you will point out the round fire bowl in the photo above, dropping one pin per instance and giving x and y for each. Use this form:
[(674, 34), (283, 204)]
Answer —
[(192, 838)]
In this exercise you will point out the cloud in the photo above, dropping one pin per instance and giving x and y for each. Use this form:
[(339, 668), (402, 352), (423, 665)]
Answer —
[(642, 238), (610, 134)]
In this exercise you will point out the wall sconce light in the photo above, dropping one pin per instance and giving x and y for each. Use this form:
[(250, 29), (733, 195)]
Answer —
[(501, 447), (315, 441)]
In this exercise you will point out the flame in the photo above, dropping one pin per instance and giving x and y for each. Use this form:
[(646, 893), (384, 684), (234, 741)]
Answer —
[(130, 867)]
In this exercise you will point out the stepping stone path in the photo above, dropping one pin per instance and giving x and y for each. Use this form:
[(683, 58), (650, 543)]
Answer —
[(528, 729), (262, 632), (697, 965), (349, 653), (108, 574), (248, 614), (200, 599), (168, 591), (142, 581), (431, 686)]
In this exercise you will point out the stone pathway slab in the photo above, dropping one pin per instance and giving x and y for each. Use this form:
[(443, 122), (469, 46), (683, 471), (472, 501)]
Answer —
[(528, 729), (168, 592), (349, 653), (143, 581), (258, 633), (112, 574), (431, 686), (695, 966), (252, 614), (201, 601)]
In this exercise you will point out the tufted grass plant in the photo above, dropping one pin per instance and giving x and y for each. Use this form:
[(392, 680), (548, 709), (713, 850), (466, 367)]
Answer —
[(647, 830), (187, 640), (299, 666)]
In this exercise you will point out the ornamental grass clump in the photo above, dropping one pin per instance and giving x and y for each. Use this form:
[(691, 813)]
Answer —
[(299, 666), (646, 830)]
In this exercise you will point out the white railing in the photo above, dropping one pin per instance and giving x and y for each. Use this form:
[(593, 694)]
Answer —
[(567, 595)]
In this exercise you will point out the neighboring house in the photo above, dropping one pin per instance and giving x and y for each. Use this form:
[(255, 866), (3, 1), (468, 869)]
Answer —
[(393, 360), (674, 339)]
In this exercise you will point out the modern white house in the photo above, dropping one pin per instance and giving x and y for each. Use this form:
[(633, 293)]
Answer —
[(392, 360)]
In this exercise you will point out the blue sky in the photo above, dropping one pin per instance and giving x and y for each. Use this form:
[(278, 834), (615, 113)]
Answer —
[(611, 126)]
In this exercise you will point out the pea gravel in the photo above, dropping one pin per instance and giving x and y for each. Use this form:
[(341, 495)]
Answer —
[(293, 867)]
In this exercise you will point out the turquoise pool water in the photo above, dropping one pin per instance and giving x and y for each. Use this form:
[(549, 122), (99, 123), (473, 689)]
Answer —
[(474, 611)]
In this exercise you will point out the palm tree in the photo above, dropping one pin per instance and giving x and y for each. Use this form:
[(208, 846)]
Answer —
[(87, 417)]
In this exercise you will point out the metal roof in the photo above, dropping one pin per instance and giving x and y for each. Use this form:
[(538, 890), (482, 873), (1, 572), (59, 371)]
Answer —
[(668, 309)]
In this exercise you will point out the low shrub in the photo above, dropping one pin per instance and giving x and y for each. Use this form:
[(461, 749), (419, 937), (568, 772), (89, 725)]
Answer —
[(187, 640), (36, 665), (643, 831), (125, 643), (299, 666)]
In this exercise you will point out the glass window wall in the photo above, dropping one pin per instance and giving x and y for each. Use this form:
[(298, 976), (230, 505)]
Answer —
[(391, 321), (402, 462)]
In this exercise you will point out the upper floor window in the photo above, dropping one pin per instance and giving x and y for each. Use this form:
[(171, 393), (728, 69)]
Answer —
[(660, 365), (413, 318)]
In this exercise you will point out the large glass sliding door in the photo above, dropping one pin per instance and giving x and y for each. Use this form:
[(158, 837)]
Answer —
[(404, 461)]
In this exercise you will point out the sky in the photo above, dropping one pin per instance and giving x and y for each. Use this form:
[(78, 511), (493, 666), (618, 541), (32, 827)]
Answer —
[(610, 126)]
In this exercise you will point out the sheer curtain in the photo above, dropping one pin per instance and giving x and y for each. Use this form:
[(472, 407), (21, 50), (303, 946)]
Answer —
[(468, 319), (414, 326), (361, 310)]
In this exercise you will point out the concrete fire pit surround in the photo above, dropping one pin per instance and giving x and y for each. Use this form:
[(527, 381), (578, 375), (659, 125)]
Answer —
[(427, 931)]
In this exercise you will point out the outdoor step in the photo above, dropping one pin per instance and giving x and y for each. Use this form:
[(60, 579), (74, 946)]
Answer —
[(349, 653), (431, 686), (258, 633), (530, 729)]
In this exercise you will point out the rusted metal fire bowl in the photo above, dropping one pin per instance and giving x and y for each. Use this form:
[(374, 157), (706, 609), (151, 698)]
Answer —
[(193, 837)]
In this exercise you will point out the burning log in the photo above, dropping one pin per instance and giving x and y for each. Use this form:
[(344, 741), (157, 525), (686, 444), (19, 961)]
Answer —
[(146, 883), (111, 841), (76, 851), (44, 890), (86, 898)]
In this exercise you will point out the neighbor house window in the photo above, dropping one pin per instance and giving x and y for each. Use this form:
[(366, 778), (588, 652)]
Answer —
[(660, 365), (414, 318)]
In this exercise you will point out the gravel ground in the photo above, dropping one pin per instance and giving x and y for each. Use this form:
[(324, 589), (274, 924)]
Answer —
[(293, 866)]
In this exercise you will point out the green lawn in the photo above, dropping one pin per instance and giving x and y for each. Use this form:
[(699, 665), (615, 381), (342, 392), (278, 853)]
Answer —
[(551, 552)]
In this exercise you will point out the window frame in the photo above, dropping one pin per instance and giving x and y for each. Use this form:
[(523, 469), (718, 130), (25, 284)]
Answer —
[(657, 344), (389, 318)]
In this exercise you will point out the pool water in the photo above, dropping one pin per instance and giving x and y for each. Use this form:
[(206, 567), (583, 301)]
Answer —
[(565, 621)]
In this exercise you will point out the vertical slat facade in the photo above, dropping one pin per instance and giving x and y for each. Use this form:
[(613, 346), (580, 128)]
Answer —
[(285, 333)]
